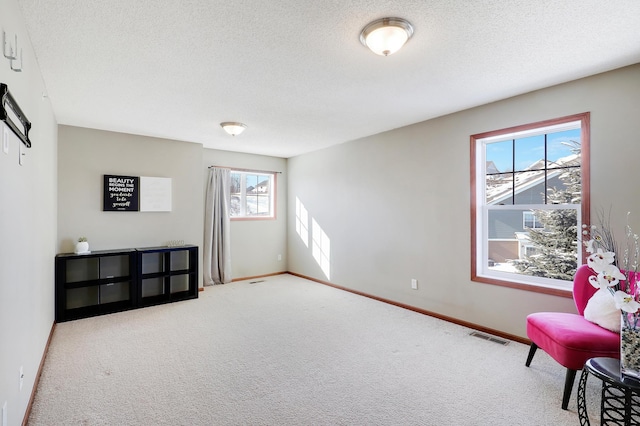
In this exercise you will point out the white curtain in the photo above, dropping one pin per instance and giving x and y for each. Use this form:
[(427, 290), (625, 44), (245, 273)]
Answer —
[(217, 239)]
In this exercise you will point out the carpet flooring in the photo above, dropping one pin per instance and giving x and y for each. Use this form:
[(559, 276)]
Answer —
[(288, 351)]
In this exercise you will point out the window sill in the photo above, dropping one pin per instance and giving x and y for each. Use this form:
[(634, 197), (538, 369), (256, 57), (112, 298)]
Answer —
[(243, 219), (526, 287)]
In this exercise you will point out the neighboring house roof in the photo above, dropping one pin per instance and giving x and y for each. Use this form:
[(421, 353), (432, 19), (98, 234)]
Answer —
[(491, 167), (526, 179), (261, 187)]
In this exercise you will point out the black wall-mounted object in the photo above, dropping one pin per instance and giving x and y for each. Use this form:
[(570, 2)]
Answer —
[(11, 114)]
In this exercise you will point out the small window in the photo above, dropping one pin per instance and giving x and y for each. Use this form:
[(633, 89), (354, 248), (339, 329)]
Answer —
[(530, 221), (252, 195)]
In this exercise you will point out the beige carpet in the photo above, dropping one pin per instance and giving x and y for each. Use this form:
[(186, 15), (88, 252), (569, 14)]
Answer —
[(288, 351)]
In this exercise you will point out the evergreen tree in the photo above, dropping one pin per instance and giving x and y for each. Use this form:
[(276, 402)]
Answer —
[(556, 247)]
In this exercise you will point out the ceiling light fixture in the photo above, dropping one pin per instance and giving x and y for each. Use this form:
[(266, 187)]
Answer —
[(386, 36), (233, 128)]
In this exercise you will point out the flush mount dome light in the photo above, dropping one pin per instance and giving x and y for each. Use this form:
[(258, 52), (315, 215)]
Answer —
[(233, 128), (387, 35)]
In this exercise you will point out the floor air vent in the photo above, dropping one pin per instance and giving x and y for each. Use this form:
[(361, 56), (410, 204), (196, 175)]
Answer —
[(489, 338), (256, 282)]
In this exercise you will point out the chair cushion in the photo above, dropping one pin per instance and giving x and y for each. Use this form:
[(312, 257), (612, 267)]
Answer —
[(570, 339)]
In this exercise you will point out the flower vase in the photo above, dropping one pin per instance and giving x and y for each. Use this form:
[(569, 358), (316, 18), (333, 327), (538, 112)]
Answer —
[(82, 247), (630, 345)]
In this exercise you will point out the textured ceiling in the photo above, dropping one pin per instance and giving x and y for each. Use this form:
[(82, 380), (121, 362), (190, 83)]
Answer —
[(295, 72)]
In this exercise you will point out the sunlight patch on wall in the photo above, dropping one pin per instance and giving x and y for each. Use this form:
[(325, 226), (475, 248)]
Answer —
[(321, 248), (302, 222)]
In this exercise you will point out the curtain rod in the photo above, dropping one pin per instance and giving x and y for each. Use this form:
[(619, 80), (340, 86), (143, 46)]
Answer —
[(244, 170)]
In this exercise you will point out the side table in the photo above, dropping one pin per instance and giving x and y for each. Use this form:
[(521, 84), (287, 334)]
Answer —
[(620, 400)]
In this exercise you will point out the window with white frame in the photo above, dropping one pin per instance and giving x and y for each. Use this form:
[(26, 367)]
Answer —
[(252, 195), (530, 221), (529, 190)]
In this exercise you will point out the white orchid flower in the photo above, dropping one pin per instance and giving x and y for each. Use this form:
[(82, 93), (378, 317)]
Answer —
[(612, 275), (597, 261), (626, 302), (593, 280), (589, 245)]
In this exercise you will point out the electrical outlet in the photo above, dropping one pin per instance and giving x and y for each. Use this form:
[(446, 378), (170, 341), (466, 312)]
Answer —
[(279, 257), (21, 377), (414, 283)]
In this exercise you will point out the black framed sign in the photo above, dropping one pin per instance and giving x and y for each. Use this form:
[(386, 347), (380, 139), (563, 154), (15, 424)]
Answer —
[(121, 193)]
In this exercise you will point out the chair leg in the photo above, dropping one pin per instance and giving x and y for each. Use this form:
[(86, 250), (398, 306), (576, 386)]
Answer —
[(568, 386), (532, 352)]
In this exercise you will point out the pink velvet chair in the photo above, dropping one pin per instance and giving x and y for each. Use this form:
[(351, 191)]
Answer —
[(569, 338)]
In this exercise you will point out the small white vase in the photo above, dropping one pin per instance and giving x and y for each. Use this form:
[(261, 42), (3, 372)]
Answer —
[(82, 247)]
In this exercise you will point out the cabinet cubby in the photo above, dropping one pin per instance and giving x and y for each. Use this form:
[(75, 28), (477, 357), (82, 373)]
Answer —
[(166, 274), (115, 280)]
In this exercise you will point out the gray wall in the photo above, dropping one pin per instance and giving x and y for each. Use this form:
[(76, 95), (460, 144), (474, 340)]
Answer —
[(85, 155), (256, 244), (27, 227), (395, 206)]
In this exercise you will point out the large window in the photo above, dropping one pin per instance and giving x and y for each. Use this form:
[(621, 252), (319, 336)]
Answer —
[(252, 195), (529, 197)]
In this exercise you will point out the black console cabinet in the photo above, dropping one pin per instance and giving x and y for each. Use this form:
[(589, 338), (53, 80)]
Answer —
[(116, 280)]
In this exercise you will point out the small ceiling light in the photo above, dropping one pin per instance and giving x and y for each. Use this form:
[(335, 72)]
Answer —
[(233, 128), (387, 35)]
